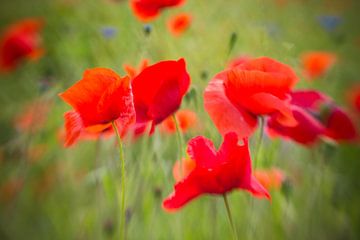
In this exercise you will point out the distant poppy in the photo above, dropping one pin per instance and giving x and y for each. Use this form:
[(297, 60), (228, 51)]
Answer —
[(33, 117), (132, 71), (179, 23), (186, 119), (270, 178), (147, 10), (99, 98), (316, 64), (317, 117), (354, 97), (158, 91), (215, 172), (235, 97), (21, 40)]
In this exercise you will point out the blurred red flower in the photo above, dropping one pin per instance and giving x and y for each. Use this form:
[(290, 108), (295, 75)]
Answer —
[(270, 178), (21, 40), (317, 117), (98, 99), (353, 96), (235, 97), (186, 119), (215, 172), (179, 23), (147, 10), (133, 71), (316, 64), (158, 91), (33, 117)]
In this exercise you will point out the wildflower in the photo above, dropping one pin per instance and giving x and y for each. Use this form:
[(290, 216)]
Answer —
[(21, 40), (236, 97), (215, 172)]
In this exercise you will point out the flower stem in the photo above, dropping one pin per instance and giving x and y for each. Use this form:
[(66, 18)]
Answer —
[(235, 236), (122, 161), (180, 143), (259, 142)]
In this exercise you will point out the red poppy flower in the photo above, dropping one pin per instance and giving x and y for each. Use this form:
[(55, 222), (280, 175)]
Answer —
[(179, 23), (98, 99), (316, 64), (132, 71), (20, 40), (235, 97), (215, 172), (147, 10), (158, 91), (317, 117), (186, 119), (271, 178)]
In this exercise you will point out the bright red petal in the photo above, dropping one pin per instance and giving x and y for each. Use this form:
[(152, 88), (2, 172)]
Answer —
[(101, 97), (73, 127), (185, 191), (159, 89), (226, 116), (202, 150)]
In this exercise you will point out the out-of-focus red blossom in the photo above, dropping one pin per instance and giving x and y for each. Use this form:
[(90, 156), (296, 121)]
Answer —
[(133, 71), (158, 91), (317, 117), (9, 189), (236, 97), (238, 61), (270, 178), (21, 40), (316, 64), (215, 172), (179, 23), (99, 98), (181, 172), (186, 119), (33, 117), (353, 97), (147, 10)]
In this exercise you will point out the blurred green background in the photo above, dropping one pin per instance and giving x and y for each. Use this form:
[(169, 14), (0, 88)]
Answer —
[(50, 192)]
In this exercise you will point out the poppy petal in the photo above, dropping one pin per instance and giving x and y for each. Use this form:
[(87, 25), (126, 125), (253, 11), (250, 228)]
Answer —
[(264, 103), (257, 189), (158, 90), (184, 192), (202, 150), (339, 126), (307, 131), (73, 127), (226, 116)]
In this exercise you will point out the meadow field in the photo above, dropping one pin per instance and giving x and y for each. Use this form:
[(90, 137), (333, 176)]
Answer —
[(53, 186)]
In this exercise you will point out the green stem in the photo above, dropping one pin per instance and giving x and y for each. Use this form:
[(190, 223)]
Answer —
[(122, 161), (180, 143), (259, 142), (235, 236)]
